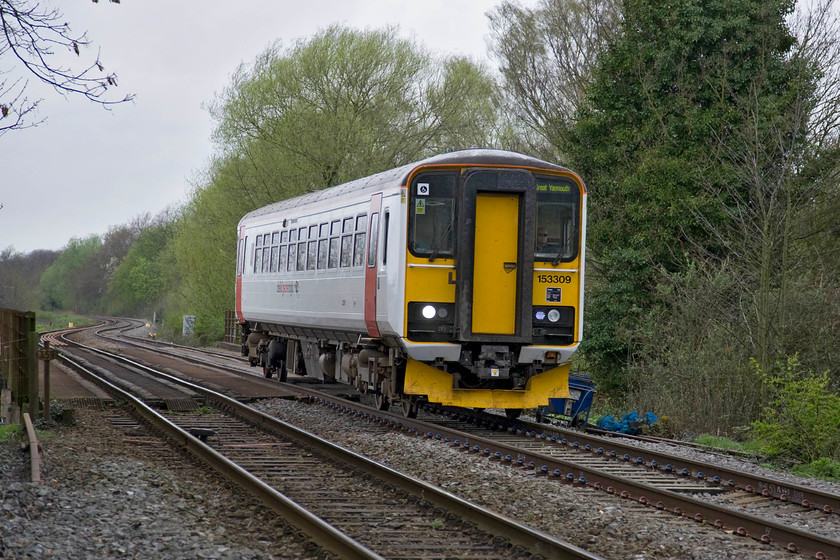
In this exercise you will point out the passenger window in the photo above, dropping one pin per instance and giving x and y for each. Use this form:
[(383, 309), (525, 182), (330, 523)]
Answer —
[(290, 267), (283, 257), (335, 228), (313, 246), (322, 253), (301, 256), (346, 250), (335, 246), (257, 261), (284, 237), (274, 251), (240, 257), (385, 237), (374, 239), (359, 244), (275, 238)]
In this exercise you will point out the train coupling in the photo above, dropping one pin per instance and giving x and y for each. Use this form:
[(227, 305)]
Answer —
[(494, 362)]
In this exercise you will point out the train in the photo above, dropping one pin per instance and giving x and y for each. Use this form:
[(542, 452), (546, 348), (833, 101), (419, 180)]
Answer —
[(457, 280)]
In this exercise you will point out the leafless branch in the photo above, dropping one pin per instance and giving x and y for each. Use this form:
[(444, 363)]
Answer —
[(32, 36)]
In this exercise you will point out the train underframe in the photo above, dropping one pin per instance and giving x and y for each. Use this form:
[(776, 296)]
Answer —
[(486, 376)]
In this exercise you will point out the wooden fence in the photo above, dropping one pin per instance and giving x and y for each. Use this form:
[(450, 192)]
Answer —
[(18, 363)]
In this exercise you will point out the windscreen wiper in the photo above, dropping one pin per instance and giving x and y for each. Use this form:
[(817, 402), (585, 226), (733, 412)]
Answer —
[(439, 245)]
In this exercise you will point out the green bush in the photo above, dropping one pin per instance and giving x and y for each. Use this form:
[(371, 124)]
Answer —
[(821, 468), (800, 422)]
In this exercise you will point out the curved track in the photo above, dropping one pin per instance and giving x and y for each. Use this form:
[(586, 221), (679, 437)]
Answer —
[(606, 464), (334, 494)]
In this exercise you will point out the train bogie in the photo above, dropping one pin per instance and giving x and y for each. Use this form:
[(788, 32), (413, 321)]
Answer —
[(457, 279)]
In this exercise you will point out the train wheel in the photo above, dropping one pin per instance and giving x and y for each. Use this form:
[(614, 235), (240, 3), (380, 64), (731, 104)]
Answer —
[(410, 407), (381, 401), (513, 413)]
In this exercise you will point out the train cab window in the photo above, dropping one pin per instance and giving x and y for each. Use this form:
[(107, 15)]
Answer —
[(432, 215), (359, 240), (558, 207)]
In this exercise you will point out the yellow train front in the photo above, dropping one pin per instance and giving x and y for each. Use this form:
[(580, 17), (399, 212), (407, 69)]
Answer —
[(470, 284)]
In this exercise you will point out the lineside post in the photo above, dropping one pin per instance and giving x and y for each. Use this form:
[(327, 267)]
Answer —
[(31, 362)]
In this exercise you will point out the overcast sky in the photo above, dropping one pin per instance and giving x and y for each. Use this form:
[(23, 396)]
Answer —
[(87, 169)]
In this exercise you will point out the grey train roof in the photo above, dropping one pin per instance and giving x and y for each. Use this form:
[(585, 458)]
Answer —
[(399, 175)]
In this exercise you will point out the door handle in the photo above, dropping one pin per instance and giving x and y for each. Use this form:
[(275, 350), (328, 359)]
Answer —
[(510, 267)]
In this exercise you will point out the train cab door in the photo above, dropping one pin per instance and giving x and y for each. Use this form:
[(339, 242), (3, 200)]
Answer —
[(371, 280), (494, 289)]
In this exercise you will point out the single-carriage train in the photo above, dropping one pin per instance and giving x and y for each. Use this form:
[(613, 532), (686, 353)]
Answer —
[(457, 279)]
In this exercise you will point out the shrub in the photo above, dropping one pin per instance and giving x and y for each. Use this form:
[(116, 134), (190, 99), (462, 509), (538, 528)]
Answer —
[(821, 468), (800, 422)]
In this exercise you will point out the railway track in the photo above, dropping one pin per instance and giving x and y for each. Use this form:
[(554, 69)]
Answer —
[(353, 507), (535, 454), (661, 482), (705, 476)]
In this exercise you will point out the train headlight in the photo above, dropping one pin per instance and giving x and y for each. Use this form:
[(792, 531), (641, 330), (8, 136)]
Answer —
[(540, 315), (554, 315), (430, 321)]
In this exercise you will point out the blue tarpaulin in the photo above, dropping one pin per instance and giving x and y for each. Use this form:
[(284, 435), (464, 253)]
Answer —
[(629, 423)]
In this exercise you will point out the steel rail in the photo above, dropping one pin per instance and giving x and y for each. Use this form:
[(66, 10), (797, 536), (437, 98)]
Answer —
[(326, 535), (743, 524), (720, 475), (517, 534), (679, 466)]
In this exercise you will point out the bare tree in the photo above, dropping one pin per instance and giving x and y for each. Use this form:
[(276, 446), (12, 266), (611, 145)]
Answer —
[(547, 55), (783, 157), (33, 38)]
